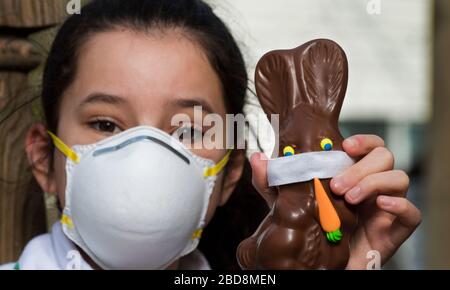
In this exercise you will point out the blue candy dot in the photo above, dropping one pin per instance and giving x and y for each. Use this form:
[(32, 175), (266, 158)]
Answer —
[(288, 154), (327, 147)]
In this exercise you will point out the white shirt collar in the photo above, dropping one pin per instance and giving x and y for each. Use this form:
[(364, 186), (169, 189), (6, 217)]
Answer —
[(54, 251)]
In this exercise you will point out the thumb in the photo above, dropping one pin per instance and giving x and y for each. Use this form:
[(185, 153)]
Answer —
[(259, 161)]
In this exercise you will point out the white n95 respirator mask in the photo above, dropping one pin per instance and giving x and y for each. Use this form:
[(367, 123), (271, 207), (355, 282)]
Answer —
[(136, 200)]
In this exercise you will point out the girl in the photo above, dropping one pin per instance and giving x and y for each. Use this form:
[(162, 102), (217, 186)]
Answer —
[(115, 76)]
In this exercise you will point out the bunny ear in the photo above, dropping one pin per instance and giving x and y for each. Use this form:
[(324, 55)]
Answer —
[(274, 81), (322, 72)]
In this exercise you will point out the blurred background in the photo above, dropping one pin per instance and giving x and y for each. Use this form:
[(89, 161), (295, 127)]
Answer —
[(398, 53), (399, 78)]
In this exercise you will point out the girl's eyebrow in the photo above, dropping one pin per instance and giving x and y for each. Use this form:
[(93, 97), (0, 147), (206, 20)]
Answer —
[(102, 98), (191, 103), (97, 97)]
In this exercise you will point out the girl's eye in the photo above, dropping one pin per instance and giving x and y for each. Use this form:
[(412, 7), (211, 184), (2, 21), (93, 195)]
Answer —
[(326, 144), (188, 134), (105, 126), (288, 151)]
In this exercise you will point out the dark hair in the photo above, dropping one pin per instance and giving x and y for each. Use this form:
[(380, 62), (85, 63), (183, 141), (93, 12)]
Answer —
[(193, 16), (240, 216)]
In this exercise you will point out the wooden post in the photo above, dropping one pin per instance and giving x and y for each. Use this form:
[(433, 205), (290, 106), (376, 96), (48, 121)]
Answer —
[(437, 215), (22, 209), (31, 13)]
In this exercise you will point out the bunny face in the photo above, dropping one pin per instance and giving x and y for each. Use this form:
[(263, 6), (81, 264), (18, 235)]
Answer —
[(305, 86), (307, 133)]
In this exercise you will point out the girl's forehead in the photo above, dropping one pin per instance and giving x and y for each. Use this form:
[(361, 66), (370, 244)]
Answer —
[(145, 68)]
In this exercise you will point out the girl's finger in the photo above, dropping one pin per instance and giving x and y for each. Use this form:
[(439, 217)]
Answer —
[(258, 161), (378, 160), (408, 217), (360, 145), (394, 182)]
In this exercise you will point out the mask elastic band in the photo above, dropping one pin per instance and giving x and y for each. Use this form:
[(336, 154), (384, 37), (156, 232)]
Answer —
[(218, 167), (66, 220), (64, 148)]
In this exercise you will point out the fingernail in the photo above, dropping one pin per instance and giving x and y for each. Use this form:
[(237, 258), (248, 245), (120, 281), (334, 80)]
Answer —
[(350, 142), (386, 201), (339, 184), (354, 193), (336, 186)]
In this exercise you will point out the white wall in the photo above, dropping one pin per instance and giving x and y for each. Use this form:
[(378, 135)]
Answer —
[(388, 53)]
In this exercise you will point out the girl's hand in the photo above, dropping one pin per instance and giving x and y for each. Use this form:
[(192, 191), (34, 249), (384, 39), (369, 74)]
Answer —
[(386, 217)]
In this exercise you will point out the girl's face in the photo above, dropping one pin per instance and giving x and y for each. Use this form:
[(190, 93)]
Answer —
[(126, 79)]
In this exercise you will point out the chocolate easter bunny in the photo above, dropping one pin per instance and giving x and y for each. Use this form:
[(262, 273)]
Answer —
[(308, 227)]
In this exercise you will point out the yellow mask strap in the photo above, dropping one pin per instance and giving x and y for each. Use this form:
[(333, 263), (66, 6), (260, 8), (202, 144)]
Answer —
[(197, 234), (211, 171), (66, 220), (64, 148)]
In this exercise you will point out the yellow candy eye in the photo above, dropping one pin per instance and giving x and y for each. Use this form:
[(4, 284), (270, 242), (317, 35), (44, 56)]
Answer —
[(288, 151), (326, 144)]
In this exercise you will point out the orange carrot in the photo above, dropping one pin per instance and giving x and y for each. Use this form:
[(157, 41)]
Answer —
[(329, 219)]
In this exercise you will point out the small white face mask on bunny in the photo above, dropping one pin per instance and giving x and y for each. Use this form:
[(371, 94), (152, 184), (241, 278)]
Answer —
[(307, 166), (136, 200)]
